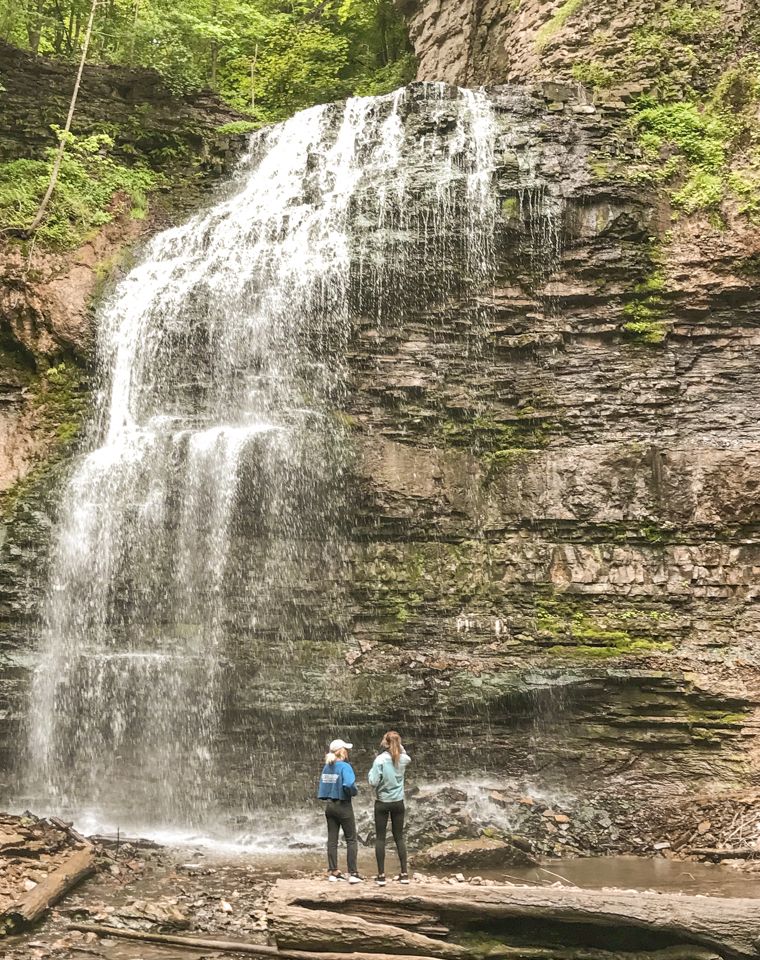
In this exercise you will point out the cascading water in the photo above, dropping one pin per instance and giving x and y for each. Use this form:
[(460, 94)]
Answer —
[(209, 512)]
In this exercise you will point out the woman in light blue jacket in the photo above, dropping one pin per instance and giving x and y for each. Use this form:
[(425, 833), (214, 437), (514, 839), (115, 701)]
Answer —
[(387, 777)]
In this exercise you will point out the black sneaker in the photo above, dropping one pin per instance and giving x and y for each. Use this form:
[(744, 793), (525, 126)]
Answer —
[(334, 877), (355, 878), (380, 881), (403, 878)]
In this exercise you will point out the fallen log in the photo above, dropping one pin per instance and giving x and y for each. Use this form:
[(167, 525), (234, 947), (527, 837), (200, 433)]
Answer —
[(68, 828), (298, 928), (741, 854), (32, 906), (529, 953), (139, 843), (302, 913), (236, 946)]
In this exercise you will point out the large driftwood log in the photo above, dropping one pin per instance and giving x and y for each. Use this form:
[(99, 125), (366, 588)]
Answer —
[(298, 928), (316, 915), (518, 953), (68, 828), (257, 949), (32, 906)]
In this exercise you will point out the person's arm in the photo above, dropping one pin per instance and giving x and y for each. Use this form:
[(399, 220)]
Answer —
[(350, 788), (376, 774)]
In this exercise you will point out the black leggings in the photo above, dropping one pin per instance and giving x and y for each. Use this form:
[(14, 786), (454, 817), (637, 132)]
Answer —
[(395, 811), (340, 813)]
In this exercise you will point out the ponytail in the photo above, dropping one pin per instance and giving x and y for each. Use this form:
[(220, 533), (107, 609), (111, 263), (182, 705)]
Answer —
[(392, 743)]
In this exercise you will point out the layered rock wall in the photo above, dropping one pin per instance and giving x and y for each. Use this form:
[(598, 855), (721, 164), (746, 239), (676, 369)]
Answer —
[(472, 42), (551, 560), (578, 503)]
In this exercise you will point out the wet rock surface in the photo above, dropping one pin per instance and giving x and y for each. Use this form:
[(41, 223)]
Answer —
[(551, 547), (498, 826), (144, 887)]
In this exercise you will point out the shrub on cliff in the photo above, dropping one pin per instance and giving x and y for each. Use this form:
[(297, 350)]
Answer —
[(91, 188)]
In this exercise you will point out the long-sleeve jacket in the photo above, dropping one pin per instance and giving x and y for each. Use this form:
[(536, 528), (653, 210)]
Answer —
[(387, 778), (338, 781)]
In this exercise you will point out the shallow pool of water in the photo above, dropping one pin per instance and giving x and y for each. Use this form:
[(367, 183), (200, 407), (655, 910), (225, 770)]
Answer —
[(628, 873)]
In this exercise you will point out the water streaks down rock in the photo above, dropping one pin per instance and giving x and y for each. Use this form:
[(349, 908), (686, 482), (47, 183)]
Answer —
[(213, 482), (449, 491)]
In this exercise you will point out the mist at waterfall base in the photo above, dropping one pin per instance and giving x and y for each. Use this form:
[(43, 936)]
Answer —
[(198, 577)]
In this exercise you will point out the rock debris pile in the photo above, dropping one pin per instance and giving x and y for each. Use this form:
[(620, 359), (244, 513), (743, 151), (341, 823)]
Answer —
[(30, 849), (488, 827)]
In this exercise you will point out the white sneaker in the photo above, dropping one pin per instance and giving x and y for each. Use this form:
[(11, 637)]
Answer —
[(355, 878), (334, 877)]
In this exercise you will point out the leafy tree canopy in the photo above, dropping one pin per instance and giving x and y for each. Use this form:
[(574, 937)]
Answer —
[(304, 51)]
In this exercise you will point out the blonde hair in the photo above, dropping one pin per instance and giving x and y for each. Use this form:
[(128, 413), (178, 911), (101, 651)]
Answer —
[(340, 754), (392, 743)]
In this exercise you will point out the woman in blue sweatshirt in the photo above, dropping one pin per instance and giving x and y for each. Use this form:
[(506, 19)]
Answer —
[(337, 785), (387, 777)]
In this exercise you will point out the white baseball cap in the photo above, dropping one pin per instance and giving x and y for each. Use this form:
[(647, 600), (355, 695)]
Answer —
[(337, 744)]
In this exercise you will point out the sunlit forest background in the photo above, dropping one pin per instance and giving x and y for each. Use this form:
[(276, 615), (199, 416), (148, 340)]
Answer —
[(282, 56)]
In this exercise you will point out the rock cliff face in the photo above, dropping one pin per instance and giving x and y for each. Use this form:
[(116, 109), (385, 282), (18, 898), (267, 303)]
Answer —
[(572, 509), (46, 296), (552, 558), (502, 41), (562, 530)]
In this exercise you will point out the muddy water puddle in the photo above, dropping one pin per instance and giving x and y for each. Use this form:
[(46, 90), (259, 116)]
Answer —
[(627, 873)]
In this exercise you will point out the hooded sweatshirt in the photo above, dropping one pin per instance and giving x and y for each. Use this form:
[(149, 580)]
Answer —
[(338, 781), (387, 778)]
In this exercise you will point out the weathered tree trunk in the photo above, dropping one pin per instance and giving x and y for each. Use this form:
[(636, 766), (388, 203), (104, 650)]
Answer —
[(319, 916), (238, 946), (514, 953), (31, 907), (298, 928), (62, 145)]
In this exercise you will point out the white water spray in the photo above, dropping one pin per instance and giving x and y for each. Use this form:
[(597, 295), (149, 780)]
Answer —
[(214, 477)]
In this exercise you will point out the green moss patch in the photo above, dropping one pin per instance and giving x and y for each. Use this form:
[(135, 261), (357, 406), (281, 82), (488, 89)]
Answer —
[(643, 316), (593, 73), (489, 437), (557, 22), (704, 151), (612, 644)]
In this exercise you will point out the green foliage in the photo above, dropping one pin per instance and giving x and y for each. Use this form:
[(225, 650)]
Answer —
[(558, 20), (303, 64), (237, 126), (88, 183), (305, 51), (646, 331), (594, 74), (745, 185), (644, 314), (712, 148), (666, 42), (702, 191), (699, 136)]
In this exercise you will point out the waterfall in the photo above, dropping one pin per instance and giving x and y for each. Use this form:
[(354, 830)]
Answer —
[(207, 510)]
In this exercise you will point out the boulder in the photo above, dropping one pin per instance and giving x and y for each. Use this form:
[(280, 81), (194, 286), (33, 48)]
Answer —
[(482, 853)]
